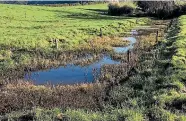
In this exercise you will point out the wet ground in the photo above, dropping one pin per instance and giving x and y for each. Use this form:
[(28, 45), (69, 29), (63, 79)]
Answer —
[(75, 74), (90, 67)]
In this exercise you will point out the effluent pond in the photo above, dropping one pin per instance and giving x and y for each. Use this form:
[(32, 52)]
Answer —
[(76, 74)]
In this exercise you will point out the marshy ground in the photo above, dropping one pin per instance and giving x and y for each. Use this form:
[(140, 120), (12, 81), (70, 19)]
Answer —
[(148, 83)]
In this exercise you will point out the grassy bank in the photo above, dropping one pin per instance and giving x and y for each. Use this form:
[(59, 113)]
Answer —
[(158, 85)]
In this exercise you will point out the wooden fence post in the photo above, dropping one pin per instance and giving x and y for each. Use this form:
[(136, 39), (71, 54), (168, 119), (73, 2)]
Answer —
[(128, 55), (157, 36), (36, 46), (101, 33), (56, 42)]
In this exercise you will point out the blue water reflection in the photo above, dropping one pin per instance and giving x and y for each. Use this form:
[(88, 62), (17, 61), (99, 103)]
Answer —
[(73, 74)]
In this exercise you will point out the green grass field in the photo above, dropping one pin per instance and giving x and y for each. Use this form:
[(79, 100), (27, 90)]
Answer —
[(25, 27)]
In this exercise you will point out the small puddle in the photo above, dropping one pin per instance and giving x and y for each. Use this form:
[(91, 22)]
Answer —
[(76, 74), (125, 49)]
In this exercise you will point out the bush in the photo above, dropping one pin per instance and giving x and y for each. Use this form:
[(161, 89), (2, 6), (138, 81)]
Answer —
[(117, 9), (160, 9), (183, 8)]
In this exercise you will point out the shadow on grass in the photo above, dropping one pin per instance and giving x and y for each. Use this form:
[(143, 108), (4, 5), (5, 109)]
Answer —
[(174, 30), (97, 10), (86, 15), (94, 16)]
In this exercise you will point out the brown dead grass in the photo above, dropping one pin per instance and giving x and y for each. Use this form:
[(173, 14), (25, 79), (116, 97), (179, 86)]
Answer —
[(103, 43), (25, 95)]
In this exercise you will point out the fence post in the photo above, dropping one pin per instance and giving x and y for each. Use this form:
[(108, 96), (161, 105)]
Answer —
[(157, 36), (25, 14), (128, 55), (36, 46), (101, 33), (56, 42)]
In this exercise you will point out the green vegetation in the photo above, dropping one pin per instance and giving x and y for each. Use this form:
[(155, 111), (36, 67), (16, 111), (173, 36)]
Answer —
[(27, 32), (124, 8), (180, 45), (163, 9), (81, 115), (153, 90), (30, 27), (158, 86)]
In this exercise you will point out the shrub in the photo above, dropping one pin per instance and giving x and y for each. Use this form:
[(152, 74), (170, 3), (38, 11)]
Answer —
[(159, 114), (183, 8), (117, 9), (160, 9)]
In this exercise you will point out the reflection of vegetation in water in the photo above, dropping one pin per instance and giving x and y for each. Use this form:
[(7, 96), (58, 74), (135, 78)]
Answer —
[(29, 62)]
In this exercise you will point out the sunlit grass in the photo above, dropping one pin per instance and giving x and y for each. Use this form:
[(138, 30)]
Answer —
[(32, 27)]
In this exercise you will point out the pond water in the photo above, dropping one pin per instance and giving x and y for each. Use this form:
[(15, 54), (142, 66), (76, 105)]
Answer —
[(74, 74)]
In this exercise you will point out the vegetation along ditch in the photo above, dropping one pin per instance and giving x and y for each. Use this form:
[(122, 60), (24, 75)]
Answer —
[(93, 62)]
